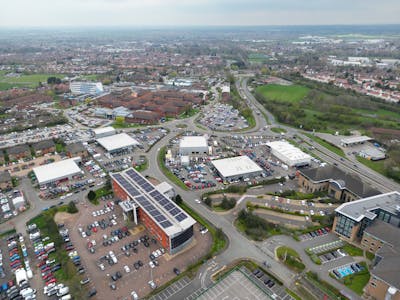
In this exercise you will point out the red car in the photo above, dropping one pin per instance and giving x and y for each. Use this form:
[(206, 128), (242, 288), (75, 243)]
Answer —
[(52, 280), (327, 229), (48, 276), (69, 248), (46, 269), (41, 264), (12, 252), (15, 262)]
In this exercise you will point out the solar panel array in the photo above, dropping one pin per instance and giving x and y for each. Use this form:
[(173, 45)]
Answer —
[(163, 201), (167, 205)]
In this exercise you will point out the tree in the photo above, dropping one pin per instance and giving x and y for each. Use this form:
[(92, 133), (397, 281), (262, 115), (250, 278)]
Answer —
[(119, 120), (72, 209), (91, 195), (178, 199), (208, 201)]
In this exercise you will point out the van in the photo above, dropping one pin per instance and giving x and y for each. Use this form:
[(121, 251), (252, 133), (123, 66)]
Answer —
[(63, 291)]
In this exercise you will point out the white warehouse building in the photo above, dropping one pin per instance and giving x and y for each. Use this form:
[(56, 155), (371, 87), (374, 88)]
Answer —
[(58, 171), (289, 154), (104, 131), (83, 87), (191, 145), (236, 168)]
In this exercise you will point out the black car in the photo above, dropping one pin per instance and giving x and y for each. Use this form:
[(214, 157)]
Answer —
[(259, 275), (152, 257), (136, 266), (92, 292), (256, 271), (146, 244), (267, 280), (114, 277), (118, 274), (176, 271), (271, 284), (81, 270), (135, 250), (140, 263)]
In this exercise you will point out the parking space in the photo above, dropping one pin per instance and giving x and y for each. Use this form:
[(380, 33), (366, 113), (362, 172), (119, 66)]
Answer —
[(235, 286), (314, 234), (323, 248), (121, 258), (174, 288)]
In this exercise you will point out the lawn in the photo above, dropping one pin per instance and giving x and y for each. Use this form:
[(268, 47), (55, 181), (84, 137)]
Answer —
[(25, 80), (357, 281), (327, 145), (290, 258), (278, 130), (352, 250), (287, 93), (377, 166)]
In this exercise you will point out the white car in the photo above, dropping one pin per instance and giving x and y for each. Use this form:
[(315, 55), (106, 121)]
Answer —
[(127, 270), (94, 214), (197, 201), (83, 234), (101, 266), (151, 264), (322, 213), (134, 295), (155, 254), (311, 212), (158, 252)]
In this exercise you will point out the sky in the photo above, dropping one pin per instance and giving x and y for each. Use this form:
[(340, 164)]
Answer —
[(157, 13)]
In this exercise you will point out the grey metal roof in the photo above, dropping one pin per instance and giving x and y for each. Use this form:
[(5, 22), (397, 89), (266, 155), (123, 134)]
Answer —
[(359, 209), (388, 267), (349, 181)]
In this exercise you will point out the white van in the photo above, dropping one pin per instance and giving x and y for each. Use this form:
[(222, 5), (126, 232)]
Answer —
[(63, 291)]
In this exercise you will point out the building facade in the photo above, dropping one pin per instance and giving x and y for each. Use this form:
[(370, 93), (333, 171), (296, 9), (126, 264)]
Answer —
[(142, 202), (44, 147)]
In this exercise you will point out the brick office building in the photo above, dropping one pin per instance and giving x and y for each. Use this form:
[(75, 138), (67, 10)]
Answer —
[(172, 227)]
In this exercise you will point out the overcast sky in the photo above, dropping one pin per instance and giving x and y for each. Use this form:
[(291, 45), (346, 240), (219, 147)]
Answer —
[(50, 13)]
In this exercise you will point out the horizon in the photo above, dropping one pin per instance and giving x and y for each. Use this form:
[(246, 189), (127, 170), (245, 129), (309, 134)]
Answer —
[(177, 13)]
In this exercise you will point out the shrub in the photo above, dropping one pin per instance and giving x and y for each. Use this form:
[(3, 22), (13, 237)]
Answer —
[(72, 209)]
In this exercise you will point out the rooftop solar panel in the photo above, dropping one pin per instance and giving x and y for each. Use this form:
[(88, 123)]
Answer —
[(181, 217), (175, 211), (166, 224)]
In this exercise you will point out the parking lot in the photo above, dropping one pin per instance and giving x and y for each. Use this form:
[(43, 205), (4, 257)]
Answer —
[(132, 253), (222, 117)]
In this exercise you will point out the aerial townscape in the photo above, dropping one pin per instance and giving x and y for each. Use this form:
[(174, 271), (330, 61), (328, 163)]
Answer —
[(182, 150)]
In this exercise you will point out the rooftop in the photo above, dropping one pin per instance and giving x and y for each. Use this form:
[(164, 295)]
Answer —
[(102, 130), (343, 180), (384, 232), (363, 208), (288, 150), (57, 170), (193, 141), (356, 139), (235, 166), (387, 269), (117, 141), (164, 212), (43, 145), (75, 147), (5, 177)]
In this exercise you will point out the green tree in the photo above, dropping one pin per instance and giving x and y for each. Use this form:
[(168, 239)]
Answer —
[(91, 195), (72, 209), (120, 120), (178, 199), (208, 201)]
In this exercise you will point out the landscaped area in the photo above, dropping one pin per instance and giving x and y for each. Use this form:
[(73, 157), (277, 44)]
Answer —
[(357, 281), (327, 145), (352, 250), (290, 258), (314, 106), (254, 226), (166, 171), (8, 81)]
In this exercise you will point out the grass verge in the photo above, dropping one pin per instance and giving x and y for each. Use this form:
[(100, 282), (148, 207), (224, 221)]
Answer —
[(327, 145), (352, 250), (167, 172)]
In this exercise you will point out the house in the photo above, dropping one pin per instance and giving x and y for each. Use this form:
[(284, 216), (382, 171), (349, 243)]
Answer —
[(342, 186), (44, 147), (18, 152), (5, 181), (76, 149)]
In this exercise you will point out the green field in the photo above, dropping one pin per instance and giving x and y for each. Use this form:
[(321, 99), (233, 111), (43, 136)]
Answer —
[(377, 166), (288, 93), (24, 80)]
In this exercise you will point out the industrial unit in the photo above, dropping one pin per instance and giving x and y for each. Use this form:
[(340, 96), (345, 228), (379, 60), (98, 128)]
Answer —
[(289, 154), (117, 142), (103, 132), (190, 145), (236, 168), (58, 171), (141, 201)]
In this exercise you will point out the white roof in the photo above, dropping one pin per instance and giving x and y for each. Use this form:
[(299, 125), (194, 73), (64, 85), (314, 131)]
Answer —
[(235, 166), (193, 142), (102, 130), (57, 170), (117, 141), (288, 150), (164, 187), (356, 139)]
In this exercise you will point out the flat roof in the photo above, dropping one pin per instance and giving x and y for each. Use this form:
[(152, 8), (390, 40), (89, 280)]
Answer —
[(356, 139), (117, 141), (103, 130), (288, 150), (360, 209), (163, 211), (235, 166), (57, 170), (193, 142)]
